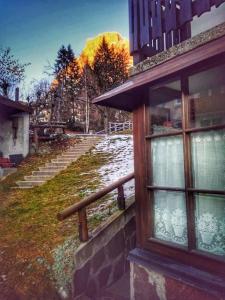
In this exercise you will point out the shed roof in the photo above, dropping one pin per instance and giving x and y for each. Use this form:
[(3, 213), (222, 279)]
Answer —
[(14, 106)]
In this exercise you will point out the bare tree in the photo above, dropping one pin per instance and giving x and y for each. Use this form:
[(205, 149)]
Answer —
[(12, 72)]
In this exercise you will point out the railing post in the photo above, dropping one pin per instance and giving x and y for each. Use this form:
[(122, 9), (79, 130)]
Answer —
[(83, 228), (121, 198)]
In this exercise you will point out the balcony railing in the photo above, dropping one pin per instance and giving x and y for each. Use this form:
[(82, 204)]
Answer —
[(156, 25)]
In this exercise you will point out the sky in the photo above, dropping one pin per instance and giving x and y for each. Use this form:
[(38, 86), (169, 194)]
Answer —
[(35, 29)]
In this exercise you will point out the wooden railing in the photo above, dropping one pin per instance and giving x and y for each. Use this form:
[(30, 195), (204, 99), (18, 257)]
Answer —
[(118, 127), (80, 207)]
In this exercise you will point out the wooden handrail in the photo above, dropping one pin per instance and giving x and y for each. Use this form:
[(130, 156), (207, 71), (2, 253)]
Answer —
[(80, 207)]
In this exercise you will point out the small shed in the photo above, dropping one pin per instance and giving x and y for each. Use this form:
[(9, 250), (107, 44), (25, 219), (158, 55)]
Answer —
[(14, 131)]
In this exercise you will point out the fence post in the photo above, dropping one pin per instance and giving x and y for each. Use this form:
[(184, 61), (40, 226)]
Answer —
[(83, 228), (121, 198)]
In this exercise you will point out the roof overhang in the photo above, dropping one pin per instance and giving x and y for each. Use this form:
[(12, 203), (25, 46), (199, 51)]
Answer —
[(13, 106), (127, 96)]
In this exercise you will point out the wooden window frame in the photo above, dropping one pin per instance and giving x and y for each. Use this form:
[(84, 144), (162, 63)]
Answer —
[(145, 220)]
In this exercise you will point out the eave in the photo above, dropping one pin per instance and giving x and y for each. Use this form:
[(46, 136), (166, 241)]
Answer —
[(14, 106), (125, 97)]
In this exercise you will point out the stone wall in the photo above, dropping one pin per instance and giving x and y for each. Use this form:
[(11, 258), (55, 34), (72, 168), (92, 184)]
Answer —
[(103, 259)]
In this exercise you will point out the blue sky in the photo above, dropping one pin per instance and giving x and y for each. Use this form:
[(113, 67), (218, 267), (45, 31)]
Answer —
[(35, 29)]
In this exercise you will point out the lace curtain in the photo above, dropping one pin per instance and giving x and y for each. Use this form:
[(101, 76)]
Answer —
[(208, 167), (208, 158), (210, 221), (168, 162), (170, 217), (169, 207)]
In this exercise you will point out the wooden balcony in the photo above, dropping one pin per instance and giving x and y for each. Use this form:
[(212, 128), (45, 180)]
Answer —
[(156, 25)]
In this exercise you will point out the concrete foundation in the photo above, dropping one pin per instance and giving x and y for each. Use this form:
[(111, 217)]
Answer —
[(103, 259), (156, 278)]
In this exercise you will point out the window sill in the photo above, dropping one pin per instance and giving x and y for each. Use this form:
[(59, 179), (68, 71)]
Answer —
[(178, 271)]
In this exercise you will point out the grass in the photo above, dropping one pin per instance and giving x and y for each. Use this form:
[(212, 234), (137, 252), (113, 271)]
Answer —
[(29, 229)]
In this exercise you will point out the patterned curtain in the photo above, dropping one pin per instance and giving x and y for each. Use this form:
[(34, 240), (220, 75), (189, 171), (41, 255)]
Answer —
[(169, 207), (208, 158), (170, 217), (208, 167)]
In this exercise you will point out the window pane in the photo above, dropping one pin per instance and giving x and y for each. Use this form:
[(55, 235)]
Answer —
[(165, 108), (207, 98), (208, 160), (170, 217), (167, 162), (210, 223)]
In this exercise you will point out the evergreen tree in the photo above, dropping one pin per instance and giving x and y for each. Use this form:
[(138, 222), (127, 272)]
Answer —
[(111, 69), (64, 57), (110, 66), (103, 66), (68, 78)]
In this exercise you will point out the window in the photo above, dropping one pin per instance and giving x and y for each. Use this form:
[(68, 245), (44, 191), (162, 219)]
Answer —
[(186, 166)]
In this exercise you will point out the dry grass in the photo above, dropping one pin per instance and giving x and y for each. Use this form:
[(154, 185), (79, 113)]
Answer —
[(29, 230)]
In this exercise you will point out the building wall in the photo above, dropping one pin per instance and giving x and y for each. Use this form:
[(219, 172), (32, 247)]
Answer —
[(147, 284), (20, 145)]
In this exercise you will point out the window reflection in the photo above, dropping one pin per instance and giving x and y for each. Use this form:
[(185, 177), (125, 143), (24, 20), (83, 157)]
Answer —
[(207, 98), (165, 103), (208, 160)]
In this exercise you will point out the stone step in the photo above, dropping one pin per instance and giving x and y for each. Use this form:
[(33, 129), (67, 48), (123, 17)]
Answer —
[(38, 178), (81, 146), (78, 149), (21, 187), (73, 153), (45, 173), (69, 155), (29, 183), (57, 164), (62, 160), (76, 153), (47, 169)]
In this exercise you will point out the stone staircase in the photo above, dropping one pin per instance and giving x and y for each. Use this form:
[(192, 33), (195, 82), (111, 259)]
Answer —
[(60, 163)]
